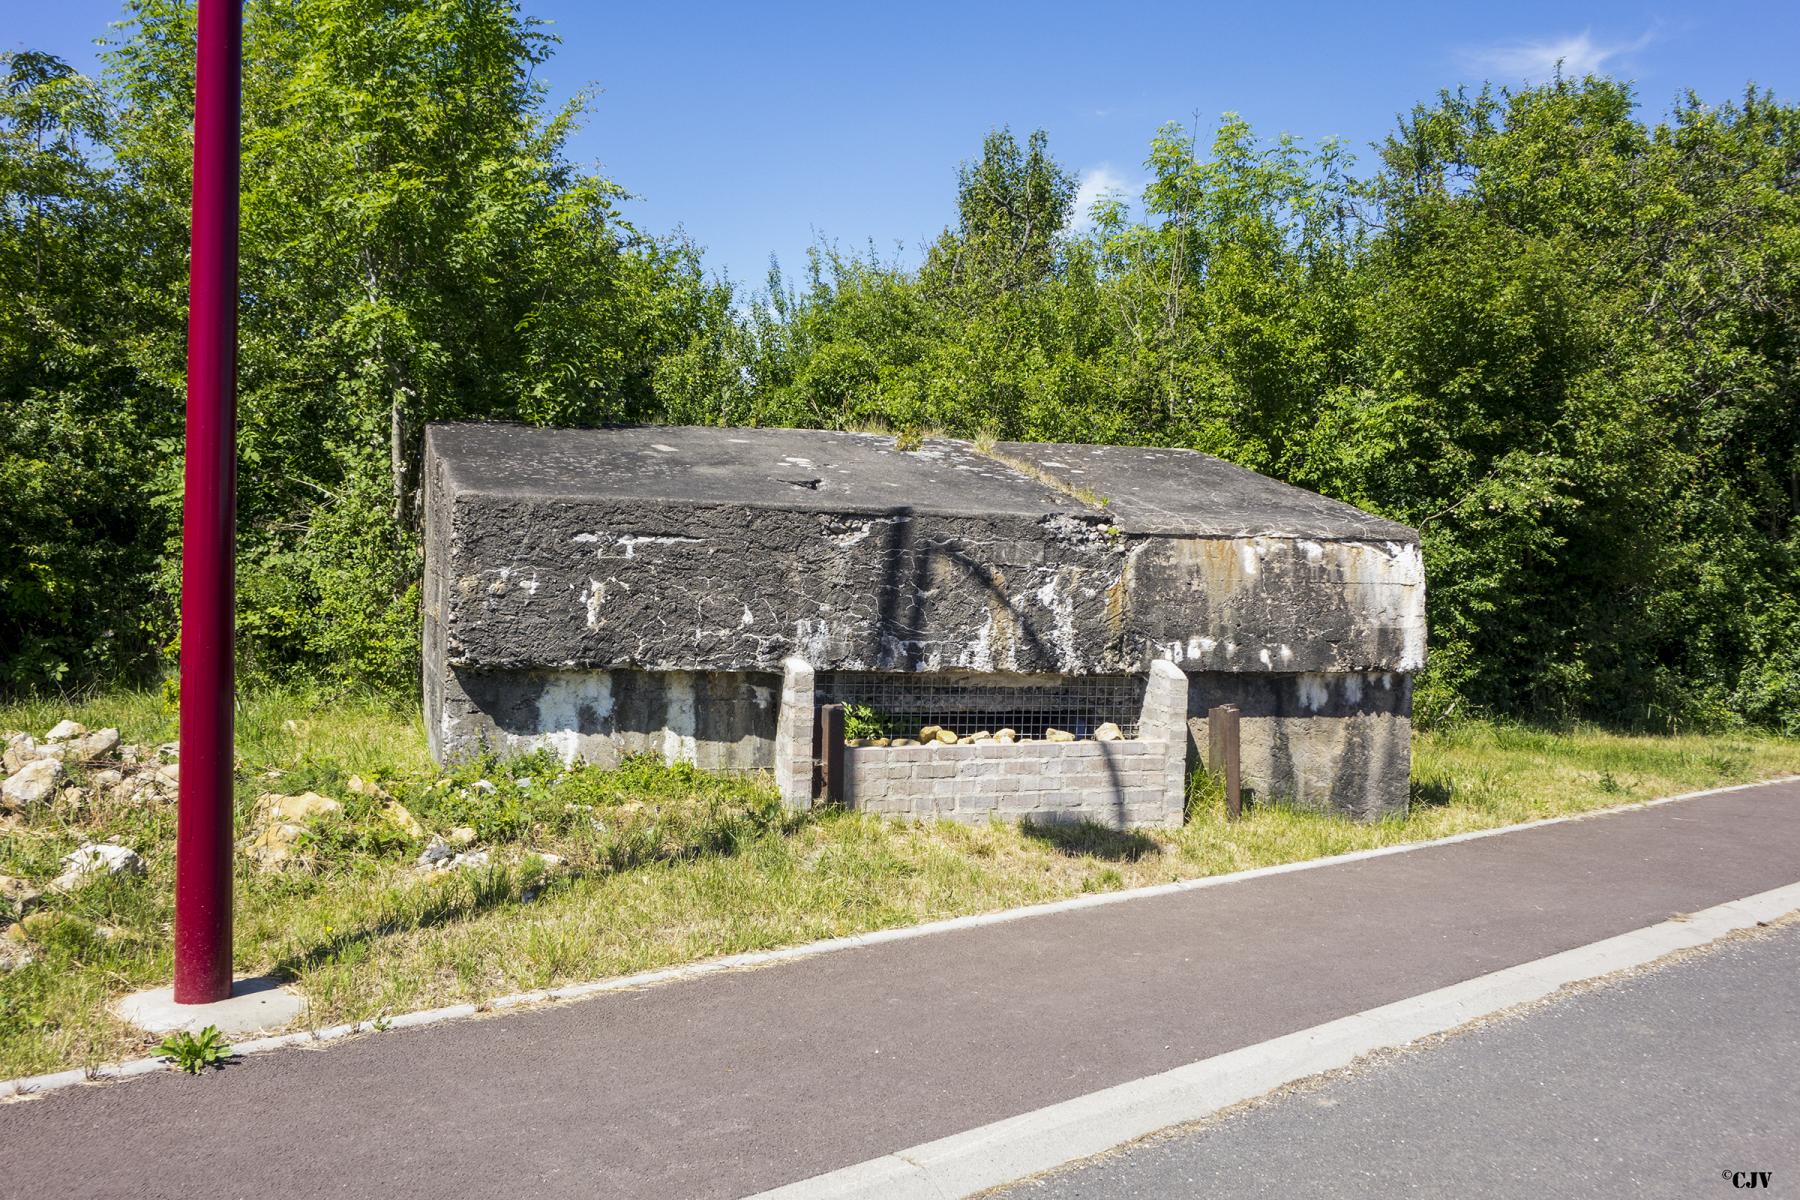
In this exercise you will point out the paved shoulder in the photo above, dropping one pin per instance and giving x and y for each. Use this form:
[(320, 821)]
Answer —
[(1683, 1082)]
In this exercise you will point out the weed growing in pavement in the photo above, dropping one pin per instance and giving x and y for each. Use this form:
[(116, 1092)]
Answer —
[(194, 1052)]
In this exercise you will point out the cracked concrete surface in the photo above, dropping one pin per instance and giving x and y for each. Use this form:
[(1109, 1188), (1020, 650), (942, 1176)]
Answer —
[(620, 555)]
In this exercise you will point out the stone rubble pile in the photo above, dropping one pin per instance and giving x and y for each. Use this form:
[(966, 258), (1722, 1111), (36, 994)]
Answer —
[(937, 735), (72, 764)]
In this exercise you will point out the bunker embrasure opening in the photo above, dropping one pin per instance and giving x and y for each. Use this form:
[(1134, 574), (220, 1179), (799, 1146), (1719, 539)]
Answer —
[(881, 707)]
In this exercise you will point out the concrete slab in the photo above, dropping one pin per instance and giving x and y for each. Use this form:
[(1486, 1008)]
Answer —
[(1185, 493), (259, 1005), (680, 549), (808, 470)]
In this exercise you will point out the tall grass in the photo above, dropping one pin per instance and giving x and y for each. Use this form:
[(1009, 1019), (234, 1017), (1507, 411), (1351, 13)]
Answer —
[(660, 864)]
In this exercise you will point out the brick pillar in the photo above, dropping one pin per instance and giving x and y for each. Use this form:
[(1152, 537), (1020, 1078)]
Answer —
[(794, 734), (1163, 722)]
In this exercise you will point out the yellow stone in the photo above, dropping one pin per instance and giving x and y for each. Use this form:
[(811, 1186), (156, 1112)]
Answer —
[(401, 818)]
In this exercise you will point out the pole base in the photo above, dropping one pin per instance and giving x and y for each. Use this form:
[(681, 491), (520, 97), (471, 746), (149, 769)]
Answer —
[(260, 1005)]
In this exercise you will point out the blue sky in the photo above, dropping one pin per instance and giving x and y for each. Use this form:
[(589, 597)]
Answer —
[(756, 127)]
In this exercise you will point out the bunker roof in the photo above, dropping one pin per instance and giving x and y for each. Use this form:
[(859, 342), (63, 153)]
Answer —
[(1138, 489)]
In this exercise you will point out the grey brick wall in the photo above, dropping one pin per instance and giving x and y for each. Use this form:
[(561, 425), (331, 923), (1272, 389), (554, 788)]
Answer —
[(1123, 784), (1119, 784)]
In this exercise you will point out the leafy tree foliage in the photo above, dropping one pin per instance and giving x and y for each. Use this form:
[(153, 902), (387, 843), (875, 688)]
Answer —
[(1557, 338), (1560, 341), (78, 534), (415, 247)]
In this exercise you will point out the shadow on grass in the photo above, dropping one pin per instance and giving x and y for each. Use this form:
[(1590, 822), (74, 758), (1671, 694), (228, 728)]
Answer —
[(1088, 839), (466, 893), (1431, 793), (440, 904)]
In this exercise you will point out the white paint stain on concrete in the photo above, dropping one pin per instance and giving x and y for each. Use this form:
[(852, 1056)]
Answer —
[(680, 723), (1056, 596), (567, 702), (631, 541), (592, 598)]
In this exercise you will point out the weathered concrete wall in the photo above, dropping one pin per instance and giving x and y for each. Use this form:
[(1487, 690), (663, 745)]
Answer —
[(1127, 784), (606, 591), (719, 720), (1327, 741), (677, 556)]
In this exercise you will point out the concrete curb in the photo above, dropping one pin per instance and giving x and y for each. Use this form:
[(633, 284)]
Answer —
[(966, 1164), (35, 1084)]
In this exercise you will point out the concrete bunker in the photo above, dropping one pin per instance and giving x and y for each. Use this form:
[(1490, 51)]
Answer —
[(698, 593)]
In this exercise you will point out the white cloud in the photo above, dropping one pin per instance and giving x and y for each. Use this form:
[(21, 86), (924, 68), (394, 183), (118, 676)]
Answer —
[(1579, 54), (1098, 182)]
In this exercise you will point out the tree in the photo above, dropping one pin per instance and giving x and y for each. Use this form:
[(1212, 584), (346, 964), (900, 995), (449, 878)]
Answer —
[(1010, 207), (415, 247), (78, 529)]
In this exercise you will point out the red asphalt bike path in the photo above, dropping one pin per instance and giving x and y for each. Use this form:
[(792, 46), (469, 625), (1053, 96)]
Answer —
[(732, 1083)]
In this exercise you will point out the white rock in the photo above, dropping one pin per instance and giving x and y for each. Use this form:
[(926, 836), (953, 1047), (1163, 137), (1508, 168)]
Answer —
[(436, 854), (65, 730), (366, 787), (94, 860), (33, 783), (21, 748), (169, 750), (474, 858), (90, 745), (107, 778)]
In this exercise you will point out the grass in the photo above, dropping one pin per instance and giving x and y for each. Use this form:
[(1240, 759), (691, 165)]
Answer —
[(660, 865)]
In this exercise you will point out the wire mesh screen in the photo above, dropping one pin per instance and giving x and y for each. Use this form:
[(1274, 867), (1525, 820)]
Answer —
[(898, 705)]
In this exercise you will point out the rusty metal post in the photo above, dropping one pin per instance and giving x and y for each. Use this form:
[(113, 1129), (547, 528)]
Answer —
[(1222, 755), (834, 787)]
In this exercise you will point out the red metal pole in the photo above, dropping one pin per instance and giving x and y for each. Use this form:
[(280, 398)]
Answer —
[(209, 519)]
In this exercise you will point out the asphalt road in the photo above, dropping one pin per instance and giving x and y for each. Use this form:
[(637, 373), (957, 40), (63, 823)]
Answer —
[(1682, 1082), (730, 1084)]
